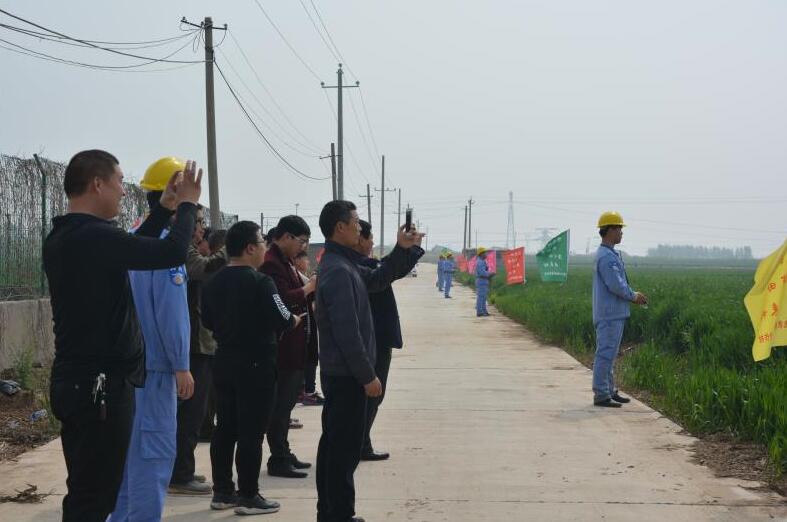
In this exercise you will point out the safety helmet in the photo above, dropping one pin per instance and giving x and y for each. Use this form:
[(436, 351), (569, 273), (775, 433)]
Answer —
[(159, 173), (610, 219), (450, 254), (481, 251)]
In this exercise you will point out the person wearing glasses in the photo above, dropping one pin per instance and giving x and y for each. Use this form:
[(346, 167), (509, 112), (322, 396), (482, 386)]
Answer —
[(290, 237), (243, 309)]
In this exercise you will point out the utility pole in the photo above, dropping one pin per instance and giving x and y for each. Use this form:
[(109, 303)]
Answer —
[(340, 131), (210, 113), (464, 233), (334, 188), (262, 221), (510, 233), (368, 197), (470, 224), (382, 192), (399, 221), (296, 208)]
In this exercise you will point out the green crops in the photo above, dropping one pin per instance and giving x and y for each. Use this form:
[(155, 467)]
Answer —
[(691, 349)]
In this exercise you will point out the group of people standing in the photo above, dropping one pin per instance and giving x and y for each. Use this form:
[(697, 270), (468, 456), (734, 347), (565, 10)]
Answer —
[(154, 325), (446, 267)]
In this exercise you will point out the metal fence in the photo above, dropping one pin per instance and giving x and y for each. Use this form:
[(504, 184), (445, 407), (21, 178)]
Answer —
[(30, 195)]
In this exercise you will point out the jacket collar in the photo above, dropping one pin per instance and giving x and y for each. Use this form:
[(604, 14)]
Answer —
[(349, 253), (276, 252)]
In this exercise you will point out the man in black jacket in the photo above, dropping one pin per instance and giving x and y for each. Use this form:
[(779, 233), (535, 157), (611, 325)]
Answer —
[(387, 331), (347, 352), (99, 353)]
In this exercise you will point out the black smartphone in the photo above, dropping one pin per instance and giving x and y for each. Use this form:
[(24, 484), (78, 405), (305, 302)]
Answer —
[(408, 220)]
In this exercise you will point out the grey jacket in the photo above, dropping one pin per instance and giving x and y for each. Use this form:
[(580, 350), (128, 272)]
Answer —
[(344, 317), (612, 294)]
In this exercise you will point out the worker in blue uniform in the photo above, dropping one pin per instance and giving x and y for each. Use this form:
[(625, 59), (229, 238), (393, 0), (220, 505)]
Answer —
[(448, 273), (162, 309), (482, 278), (612, 296), (440, 261)]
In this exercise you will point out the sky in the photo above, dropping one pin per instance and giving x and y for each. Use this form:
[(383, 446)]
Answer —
[(672, 113)]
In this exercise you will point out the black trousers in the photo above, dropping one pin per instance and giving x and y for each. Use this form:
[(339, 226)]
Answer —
[(94, 449), (381, 368), (310, 378), (245, 395), (191, 413), (339, 451), (287, 390)]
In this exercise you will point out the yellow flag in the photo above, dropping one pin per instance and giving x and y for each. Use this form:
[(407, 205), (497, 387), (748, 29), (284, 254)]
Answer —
[(766, 303)]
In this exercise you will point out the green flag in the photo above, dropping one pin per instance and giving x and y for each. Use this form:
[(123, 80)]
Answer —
[(553, 259)]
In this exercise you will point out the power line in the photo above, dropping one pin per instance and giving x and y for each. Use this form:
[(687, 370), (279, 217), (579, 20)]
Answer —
[(368, 123), (95, 46), (328, 33), (322, 37), (259, 132), (287, 43), (270, 95), (349, 151)]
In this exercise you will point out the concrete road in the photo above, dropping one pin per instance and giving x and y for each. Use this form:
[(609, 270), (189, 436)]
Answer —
[(483, 423)]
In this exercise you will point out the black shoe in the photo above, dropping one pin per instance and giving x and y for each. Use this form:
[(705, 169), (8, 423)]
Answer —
[(621, 399), (286, 471), (257, 505), (224, 501), (606, 403), (297, 464), (373, 455), (357, 519)]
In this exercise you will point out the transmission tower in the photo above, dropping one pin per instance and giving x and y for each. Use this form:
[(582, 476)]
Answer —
[(510, 231), (546, 235)]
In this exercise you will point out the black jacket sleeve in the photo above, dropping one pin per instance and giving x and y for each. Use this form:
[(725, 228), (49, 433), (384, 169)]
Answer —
[(134, 252), (269, 296), (155, 223), (380, 278)]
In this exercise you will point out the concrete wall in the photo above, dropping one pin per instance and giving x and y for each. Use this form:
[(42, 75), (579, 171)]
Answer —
[(26, 325)]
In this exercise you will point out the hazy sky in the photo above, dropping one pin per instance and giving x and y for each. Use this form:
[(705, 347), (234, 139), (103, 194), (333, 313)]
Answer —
[(673, 113)]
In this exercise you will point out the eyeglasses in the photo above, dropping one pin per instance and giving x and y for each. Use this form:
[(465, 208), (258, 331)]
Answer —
[(200, 221), (299, 239)]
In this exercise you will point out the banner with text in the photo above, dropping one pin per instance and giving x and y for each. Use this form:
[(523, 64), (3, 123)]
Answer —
[(514, 261), (553, 259)]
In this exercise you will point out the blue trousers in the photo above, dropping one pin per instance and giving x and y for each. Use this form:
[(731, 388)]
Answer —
[(151, 453), (482, 291), (440, 278), (447, 282), (609, 334)]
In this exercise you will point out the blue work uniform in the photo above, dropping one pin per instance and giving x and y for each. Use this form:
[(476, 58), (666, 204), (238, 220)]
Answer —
[(612, 297), (162, 309), (482, 276), (448, 276), (440, 276)]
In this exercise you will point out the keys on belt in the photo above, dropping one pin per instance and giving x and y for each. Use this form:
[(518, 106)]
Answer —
[(100, 395)]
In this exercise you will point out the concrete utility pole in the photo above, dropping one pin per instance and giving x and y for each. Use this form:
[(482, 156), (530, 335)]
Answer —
[(210, 113), (510, 232), (470, 224), (334, 188), (368, 197), (382, 192), (296, 208), (464, 233), (340, 131), (262, 221)]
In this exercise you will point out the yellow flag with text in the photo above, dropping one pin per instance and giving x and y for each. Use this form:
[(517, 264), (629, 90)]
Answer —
[(766, 303)]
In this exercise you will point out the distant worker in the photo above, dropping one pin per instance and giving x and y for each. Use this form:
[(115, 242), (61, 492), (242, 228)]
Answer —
[(448, 273), (611, 297), (162, 308), (482, 279), (440, 261)]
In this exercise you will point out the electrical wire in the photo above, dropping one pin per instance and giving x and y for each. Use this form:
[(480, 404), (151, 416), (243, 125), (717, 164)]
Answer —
[(328, 33), (308, 143), (347, 147), (259, 132), (89, 44), (368, 123), (286, 42), (319, 33)]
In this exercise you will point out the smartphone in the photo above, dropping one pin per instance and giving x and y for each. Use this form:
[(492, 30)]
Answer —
[(408, 220)]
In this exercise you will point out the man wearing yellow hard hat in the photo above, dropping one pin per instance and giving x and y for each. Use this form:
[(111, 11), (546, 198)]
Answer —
[(482, 278), (612, 297), (162, 308), (448, 274)]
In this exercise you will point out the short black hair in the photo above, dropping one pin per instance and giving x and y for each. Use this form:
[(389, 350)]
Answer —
[(153, 197), (240, 235), (332, 213), (85, 166), (294, 225), (216, 239), (366, 229)]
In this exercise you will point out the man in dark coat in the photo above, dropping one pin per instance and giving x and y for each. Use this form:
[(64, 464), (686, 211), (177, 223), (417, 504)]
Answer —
[(290, 237), (387, 331)]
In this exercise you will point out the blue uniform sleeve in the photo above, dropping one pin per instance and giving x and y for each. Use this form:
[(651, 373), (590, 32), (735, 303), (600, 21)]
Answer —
[(481, 269), (614, 277), (449, 267), (172, 315)]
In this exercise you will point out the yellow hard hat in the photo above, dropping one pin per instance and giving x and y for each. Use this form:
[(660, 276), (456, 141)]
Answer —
[(481, 250), (609, 219), (450, 254), (158, 174)]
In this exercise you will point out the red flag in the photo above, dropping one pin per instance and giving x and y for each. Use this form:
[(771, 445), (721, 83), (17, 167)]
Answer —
[(491, 261), (471, 265), (514, 261), (461, 261)]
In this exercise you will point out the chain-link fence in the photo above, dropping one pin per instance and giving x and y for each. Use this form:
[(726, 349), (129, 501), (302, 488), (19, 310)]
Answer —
[(30, 195)]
